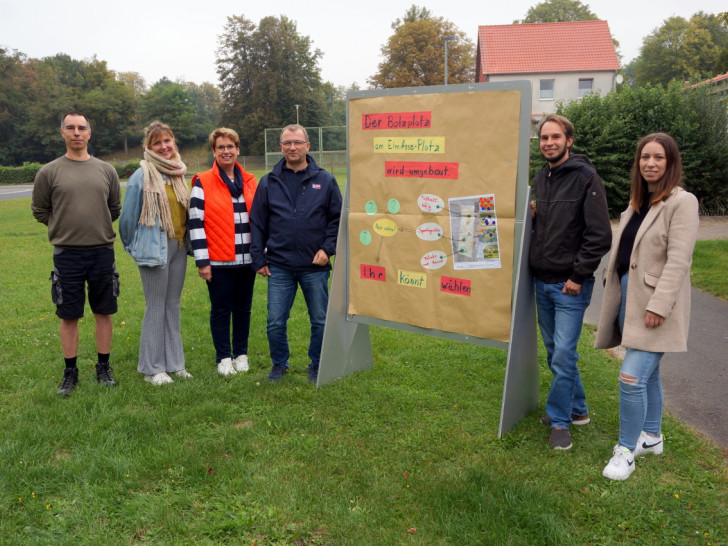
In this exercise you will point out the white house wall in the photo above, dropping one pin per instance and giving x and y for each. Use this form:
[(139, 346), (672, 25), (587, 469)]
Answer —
[(566, 87)]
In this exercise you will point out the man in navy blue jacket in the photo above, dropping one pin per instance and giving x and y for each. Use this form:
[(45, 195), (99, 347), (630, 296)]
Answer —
[(294, 224)]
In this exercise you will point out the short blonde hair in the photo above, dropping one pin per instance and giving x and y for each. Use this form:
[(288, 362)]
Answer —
[(224, 132), (295, 127)]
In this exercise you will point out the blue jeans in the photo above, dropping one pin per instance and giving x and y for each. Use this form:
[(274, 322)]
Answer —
[(231, 294), (560, 318), (282, 286), (640, 389)]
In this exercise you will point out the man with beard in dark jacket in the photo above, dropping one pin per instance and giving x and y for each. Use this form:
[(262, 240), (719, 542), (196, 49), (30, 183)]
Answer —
[(571, 234), (294, 224)]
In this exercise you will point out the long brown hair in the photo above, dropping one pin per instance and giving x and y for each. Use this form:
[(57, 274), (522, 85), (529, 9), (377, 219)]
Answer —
[(669, 181)]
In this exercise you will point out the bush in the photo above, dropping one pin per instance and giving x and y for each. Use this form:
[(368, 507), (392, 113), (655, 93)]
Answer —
[(19, 175), (26, 173), (607, 130), (125, 170)]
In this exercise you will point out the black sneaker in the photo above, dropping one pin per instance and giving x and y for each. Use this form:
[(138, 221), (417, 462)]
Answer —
[(560, 439), (70, 379), (312, 373), (103, 375), (277, 372)]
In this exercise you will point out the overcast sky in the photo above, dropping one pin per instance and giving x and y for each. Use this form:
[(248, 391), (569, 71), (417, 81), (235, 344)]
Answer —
[(179, 39)]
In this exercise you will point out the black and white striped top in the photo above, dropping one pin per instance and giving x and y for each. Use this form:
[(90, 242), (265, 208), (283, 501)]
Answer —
[(198, 238)]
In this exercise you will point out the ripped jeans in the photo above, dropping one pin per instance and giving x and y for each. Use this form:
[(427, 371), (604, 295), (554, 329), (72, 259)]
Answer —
[(640, 389)]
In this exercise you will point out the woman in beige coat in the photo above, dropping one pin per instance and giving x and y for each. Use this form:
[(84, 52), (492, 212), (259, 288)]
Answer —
[(646, 306)]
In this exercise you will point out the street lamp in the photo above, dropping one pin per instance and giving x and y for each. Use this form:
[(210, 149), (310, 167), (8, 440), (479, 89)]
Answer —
[(297, 105), (447, 39)]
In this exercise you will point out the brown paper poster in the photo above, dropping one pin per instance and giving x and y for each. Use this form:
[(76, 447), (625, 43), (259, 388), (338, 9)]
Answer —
[(432, 187)]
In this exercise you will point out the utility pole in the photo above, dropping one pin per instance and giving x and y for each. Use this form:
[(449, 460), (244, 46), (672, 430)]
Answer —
[(447, 39)]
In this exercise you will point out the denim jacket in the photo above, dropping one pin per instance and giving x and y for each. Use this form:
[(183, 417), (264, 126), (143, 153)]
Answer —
[(146, 244)]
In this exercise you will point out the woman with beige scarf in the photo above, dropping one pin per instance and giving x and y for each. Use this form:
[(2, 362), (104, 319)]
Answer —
[(153, 230)]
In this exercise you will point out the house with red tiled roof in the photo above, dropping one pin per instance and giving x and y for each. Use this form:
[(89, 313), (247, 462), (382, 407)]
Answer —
[(719, 84), (563, 61)]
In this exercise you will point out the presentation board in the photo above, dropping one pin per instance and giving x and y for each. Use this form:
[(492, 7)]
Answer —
[(432, 209), (435, 229)]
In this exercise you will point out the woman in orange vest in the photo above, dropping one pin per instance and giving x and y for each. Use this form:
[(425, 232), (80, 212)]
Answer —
[(219, 229)]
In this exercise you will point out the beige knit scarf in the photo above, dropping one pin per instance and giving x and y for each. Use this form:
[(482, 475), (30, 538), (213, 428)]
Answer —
[(155, 204)]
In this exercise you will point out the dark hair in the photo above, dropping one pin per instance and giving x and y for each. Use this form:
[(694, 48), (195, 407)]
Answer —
[(75, 113), (669, 181), (562, 121)]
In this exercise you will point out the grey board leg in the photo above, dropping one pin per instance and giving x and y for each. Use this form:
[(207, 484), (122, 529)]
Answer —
[(346, 347), (520, 389)]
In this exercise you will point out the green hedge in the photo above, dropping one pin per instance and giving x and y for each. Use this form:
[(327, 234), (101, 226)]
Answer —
[(607, 129), (19, 175), (26, 173), (125, 170)]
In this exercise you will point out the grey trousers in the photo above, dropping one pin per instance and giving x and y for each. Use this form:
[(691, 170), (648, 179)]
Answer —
[(160, 348)]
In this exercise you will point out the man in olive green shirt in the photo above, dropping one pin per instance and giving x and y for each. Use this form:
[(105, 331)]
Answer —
[(78, 197)]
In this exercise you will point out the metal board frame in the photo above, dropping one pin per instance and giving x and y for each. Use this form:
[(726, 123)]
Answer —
[(346, 343)]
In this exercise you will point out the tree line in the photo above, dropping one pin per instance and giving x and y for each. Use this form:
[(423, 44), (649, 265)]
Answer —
[(680, 49), (264, 71), (655, 97), (269, 76), (608, 128), (34, 93)]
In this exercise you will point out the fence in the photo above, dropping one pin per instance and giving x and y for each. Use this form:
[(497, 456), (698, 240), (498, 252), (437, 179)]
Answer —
[(335, 162)]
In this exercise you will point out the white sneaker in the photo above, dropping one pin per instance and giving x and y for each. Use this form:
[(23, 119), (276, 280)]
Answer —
[(183, 373), (241, 363), (158, 378), (225, 367), (649, 444), (621, 465)]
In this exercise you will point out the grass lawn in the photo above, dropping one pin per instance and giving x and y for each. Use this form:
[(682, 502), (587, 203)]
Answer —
[(406, 453), (710, 263)]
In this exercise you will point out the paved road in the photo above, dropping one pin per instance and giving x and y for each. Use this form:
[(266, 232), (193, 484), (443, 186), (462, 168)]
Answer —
[(695, 383), (17, 191), (13, 192)]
